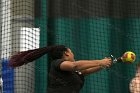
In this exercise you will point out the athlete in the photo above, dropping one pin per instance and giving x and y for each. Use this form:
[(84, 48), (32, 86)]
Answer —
[(66, 75)]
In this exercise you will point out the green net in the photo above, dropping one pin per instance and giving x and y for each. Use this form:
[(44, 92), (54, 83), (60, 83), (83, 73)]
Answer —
[(93, 29)]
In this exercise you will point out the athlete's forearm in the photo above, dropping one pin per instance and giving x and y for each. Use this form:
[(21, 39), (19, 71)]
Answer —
[(91, 70), (85, 64)]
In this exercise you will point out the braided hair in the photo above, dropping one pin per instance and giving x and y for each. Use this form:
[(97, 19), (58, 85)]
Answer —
[(21, 58)]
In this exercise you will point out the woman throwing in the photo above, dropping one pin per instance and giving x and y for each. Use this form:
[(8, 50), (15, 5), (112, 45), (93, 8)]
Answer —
[(65, 75)]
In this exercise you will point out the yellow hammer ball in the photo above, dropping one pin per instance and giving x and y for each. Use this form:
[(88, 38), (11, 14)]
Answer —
[(129, 57)]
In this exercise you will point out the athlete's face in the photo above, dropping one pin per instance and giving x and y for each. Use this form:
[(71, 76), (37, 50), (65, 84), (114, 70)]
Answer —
[(70, 55)]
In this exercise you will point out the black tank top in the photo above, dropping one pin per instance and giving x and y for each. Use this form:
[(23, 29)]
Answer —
[(63, 81)]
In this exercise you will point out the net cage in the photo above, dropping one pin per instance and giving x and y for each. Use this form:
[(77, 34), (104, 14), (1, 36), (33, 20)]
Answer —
[(93, 29)]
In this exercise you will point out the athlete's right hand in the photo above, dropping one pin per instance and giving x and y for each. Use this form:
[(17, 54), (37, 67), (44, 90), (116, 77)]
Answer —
[(106, 62)]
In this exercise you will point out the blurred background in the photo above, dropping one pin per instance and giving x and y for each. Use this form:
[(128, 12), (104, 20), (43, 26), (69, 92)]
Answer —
[(93, 29)]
